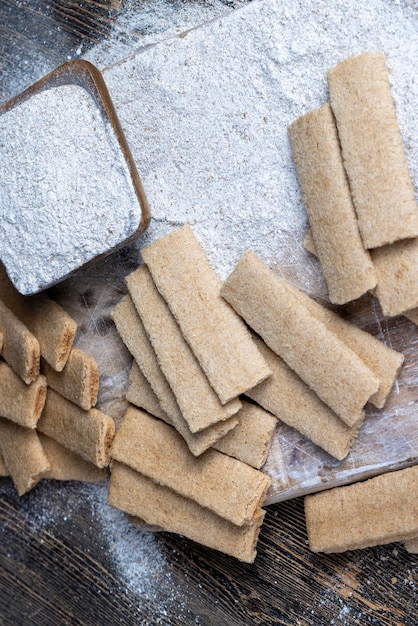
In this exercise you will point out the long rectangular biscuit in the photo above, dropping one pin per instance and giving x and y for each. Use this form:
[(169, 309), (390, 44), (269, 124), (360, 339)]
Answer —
[(372, 149), (320, 358), (87, 433), (346, 265), (397, 268), (20, 348), (383, 361), (23, 455), (46, 319), (78, 381), (397, 264), (135, 338), (378, 511), (66, 465), (157, 505), (20, 402), (231, 489), (218, 338), (286, 396), (197, 400), (249, 441), (141, 394)]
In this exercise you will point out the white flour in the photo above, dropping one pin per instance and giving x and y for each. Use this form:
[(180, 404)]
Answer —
[(206, 117), (143, 23), (66, 194)]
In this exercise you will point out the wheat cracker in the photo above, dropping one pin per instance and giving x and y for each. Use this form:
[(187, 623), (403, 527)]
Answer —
[(218, 338), (372, 149), (159, 506), (336, 374), (378, 511)]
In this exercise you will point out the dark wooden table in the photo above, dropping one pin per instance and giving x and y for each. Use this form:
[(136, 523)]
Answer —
[(59, 568)]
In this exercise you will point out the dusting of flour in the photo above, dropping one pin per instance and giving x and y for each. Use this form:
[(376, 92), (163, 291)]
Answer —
[(206, 117), (77, 200)]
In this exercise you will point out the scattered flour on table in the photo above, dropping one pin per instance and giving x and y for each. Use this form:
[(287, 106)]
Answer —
[(206, 118), (137, 554), (77, 200), (143, 23)]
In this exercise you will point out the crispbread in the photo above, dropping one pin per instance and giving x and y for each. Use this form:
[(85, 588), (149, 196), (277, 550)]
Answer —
[(378, 511), (197, 400), (285, 395), (66, 465), (231, 489), (346, 265), (157, 505), (23, 455), (20, 348), (141, 394), (384, 362), (397, 267), (372, 149), (249, 441), (78, 381), (135, 338), (46, 319), (218, 338), (20, 402), (87, 433), (318, 356)]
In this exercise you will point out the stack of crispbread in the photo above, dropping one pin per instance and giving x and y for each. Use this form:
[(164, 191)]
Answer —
[(357, 189), (48, 428), (193, 360), (360, 201), (198, 368), (324, 369)]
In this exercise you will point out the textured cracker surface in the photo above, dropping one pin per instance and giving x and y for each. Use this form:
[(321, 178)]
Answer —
[(372, 149), (286, 396), (396, 267), (197, 400), (46, 319), (133, 334), (226, 486), (157, 505), (20, 402), (381, 510), (347, 266), (23, 455), (20, 348), (324, 362), (78, 381), (217, 336), (87, 433), (66, 465)]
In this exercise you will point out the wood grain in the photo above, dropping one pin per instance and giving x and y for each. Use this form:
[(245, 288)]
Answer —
[(60, 573)]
